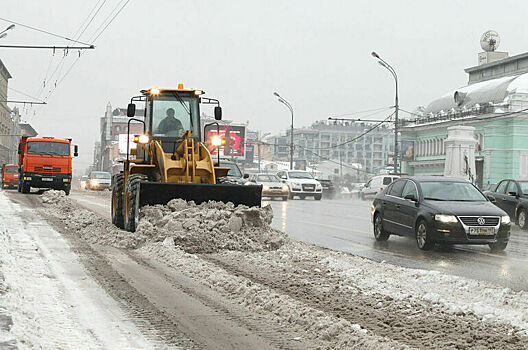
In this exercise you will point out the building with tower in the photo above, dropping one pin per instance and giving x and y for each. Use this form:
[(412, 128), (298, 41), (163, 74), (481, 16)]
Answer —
[(494, 103)]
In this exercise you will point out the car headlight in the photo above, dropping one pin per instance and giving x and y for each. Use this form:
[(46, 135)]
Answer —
[(285, 187), (265, 188), (445, 218), (505, 220), (318, 186)]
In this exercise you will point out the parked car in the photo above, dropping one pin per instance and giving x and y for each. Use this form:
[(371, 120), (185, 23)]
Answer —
[(99, 180), (329, 190), (512, 197), (84, 182), (439, 210), (302, 184), (376, 184), (234, 175), (272, 186)]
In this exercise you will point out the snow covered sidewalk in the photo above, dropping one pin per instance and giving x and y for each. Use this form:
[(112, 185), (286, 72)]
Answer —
[(47, 296)]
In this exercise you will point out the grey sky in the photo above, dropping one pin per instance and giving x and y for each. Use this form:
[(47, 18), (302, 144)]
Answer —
[(314, 53)]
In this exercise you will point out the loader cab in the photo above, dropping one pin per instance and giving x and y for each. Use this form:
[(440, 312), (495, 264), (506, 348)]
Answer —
[(170, 113)]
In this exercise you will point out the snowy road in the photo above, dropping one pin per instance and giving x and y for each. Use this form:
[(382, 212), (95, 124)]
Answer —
[(345, 225), (175, 285)]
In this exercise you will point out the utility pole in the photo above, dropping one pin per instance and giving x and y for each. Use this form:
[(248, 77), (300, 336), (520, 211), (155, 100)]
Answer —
[(384, 64), (287, 104)]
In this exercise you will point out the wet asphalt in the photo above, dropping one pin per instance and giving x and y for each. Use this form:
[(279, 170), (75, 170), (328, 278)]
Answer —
[(344, 224)]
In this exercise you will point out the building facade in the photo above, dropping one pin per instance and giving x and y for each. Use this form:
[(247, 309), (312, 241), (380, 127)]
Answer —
[(5, 117), (108, 153), (342, 142), (495, 103)]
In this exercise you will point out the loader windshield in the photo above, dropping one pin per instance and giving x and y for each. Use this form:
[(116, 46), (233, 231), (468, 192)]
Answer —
[(170, 116)]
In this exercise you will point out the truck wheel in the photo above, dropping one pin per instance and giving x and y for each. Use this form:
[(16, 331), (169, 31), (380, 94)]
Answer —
[(131, 208), (19, 189), (26, 188), (117, 201), (318, 197), (67, 191)]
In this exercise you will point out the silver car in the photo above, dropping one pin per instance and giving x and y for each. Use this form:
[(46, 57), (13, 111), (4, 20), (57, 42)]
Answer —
[(272, 186), (99, 180)]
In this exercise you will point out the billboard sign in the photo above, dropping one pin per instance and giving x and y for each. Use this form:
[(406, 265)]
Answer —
[(233, 137), (407, 150)]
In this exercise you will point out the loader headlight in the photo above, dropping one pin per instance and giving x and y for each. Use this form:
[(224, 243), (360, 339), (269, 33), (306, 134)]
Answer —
[(265, 187), (143, 139), (285, 187), (198, 92), (216, 141), (154, 91)]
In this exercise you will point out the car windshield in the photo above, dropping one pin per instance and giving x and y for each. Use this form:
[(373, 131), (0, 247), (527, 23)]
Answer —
[(234, 171), (524, 186), (451, 191), (299, 175), (267, 178), (48, 148), (100, 176), (170, 117), (11, 169)]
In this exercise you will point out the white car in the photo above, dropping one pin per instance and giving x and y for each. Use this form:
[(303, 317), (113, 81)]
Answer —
[(302, 184), (376, 184)]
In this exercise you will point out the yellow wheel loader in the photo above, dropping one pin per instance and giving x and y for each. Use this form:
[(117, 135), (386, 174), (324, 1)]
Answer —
[(171, 160)]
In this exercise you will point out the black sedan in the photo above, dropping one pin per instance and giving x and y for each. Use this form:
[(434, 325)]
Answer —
[(512, 197), (439, 210)]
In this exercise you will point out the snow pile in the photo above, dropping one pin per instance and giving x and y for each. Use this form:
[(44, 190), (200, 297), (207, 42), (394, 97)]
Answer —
[(211, 226), (53, 197), (452, 294)]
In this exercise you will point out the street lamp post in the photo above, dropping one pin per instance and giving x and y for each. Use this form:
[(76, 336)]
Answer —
[(384, 64), (3, 32), (287, 104)]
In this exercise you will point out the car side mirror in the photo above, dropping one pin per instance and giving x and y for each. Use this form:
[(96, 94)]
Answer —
[(411, 197), (246, 176), (491, 198), (76, 151), (131, 110), (218, 113)]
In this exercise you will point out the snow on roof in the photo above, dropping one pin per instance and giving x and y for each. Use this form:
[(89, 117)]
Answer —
[(494, 91)]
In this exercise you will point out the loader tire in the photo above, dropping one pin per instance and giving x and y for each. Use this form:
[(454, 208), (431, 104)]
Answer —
[(131, 208), (117, 201)]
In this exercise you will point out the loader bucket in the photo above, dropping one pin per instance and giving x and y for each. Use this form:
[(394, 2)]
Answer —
[(151, 193)]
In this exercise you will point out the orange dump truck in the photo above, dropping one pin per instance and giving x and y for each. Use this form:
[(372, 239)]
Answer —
[(9, 175), (45, 162)]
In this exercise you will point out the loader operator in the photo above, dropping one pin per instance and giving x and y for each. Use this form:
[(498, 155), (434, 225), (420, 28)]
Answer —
[(170, 126)]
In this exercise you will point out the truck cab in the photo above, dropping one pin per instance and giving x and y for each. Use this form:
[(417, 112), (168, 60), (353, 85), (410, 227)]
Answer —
[(9, 176), (45, 162)]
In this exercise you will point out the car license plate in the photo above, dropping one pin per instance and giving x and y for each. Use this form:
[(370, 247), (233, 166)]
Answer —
[(481, 231), (47, 179)]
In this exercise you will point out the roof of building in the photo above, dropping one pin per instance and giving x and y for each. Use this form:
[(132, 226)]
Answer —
[(4, 71), (27, 130), (496, 63), (494, 91)]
